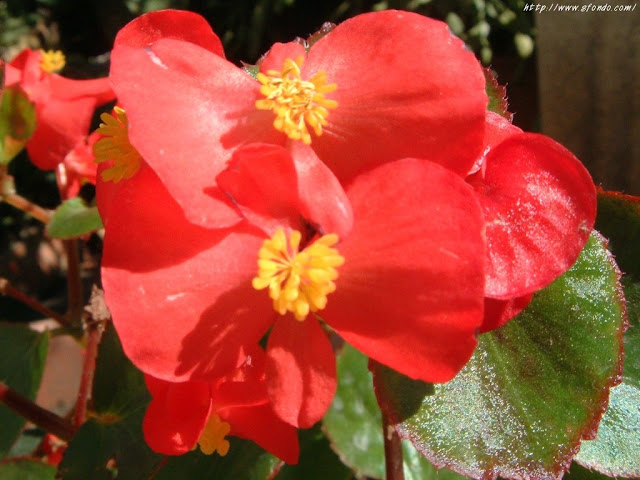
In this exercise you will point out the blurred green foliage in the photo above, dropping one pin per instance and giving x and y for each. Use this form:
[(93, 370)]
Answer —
[(86, 28)]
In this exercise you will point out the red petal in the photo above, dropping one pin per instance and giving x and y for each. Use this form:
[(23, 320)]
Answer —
[(262, 181), (180, 295), (176, 415), (323, 200), (188, 109), (497, 129), (245, 386), (78, 167), (406, 88), (279, 52), (540, 205), (177, 24), (272, 189), (61, 124), (411, 291), (99, 89), (28, 73), (260, 425), (499, 312), (300, 370)]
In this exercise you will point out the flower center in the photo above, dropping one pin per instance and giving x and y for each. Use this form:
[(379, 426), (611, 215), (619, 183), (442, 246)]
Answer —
[(298, 281), (297, 103), (51, 61), (115, 147), (213, 436)]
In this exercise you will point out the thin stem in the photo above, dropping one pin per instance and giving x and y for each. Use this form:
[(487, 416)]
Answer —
[(96, 315), (392, 450), (44, 419), (7, 289), (88, 369), (36, 211), (74, 282)]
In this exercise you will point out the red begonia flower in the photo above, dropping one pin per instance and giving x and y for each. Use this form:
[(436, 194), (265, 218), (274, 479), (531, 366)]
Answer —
[(182, 415), (539, 204), (64, 107), (403, 84), (78, 167), (410, 246), (499, 312)]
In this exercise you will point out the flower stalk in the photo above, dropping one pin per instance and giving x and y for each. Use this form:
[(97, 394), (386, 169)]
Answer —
[(7, 289), (43, 418), (392, 450), (95, 317)]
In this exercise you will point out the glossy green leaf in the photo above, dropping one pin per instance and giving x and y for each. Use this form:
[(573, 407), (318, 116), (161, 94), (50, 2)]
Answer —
[(112, 441), (17, 122), (533, 389), (615, 450), (619, 221), (24, 352), (26, 470), (245, 461), (497, 95), (353, 425), (578, 472), (73, 219)]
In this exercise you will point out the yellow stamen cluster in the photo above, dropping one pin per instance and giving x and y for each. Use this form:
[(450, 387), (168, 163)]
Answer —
[(297, 103), (298, 281), (213, 436), (51, 61), (115, 147)]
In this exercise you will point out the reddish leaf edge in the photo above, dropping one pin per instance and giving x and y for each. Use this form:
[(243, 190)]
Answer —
[(562, 461)]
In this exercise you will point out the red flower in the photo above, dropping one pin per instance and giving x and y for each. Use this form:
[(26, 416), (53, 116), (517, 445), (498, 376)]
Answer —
[(540, 206), (379, 87), (64, 107), (78, 167), (405, 239), (183, 415)]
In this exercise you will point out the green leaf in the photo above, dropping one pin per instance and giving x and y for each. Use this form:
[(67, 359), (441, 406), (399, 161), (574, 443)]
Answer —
[(73, 219), (354, 425), (26, 470), (577, 472), (17, 122), (245, 461), (112, 441), (533, 389), (497, 95), (24, 352), (317, 460), (619, 221), (615, 449)]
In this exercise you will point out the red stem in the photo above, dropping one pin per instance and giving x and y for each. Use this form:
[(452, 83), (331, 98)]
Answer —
[(44, 419), (26, 206), (88, 369), (96, 315), (7, 289), (392, 450)]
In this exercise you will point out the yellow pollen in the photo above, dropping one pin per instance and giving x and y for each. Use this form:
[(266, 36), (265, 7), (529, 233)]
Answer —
[(298, 281), (51, 61), (297, 103), (115, 147), (213, 436)]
